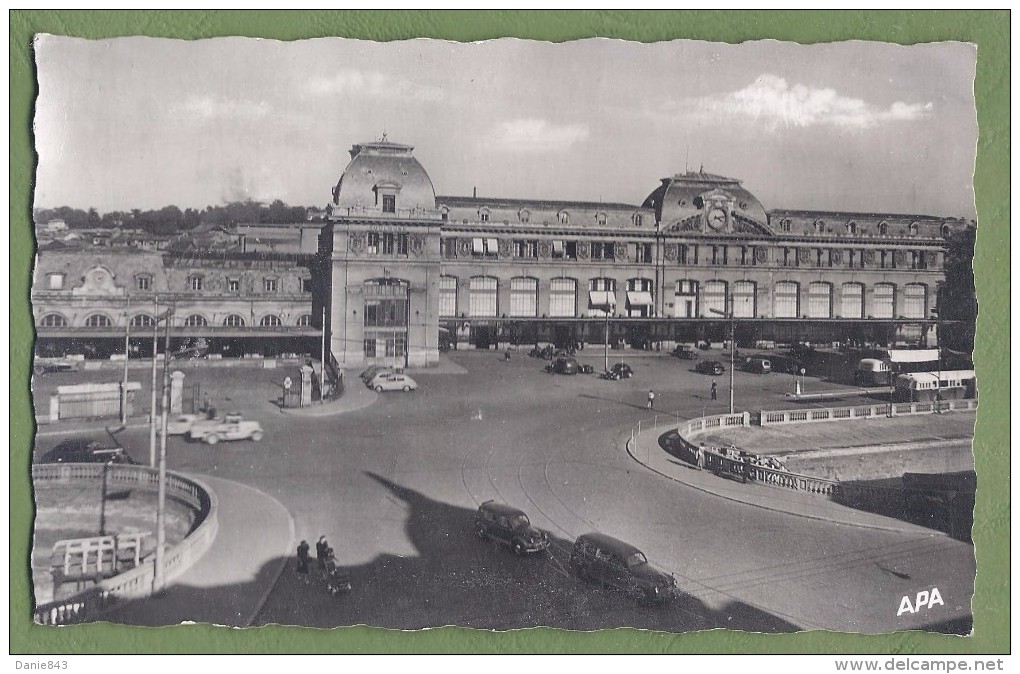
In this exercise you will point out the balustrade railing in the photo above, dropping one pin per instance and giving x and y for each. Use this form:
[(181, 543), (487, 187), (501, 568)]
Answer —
[(94, 602)]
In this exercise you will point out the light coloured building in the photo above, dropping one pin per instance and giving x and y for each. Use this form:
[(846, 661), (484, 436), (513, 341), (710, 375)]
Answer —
[(409, 270)]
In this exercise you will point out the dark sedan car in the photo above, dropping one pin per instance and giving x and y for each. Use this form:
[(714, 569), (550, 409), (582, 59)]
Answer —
[(623, 370), (563, 365), (712, 367), (509, 526), (684, 352), (85, 450), (601, 558)]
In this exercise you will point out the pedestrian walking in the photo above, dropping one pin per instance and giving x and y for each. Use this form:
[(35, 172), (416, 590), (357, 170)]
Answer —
[(321, 548), (651, 399), (715, 390), (302, 555), (506, 357), (699, 456)]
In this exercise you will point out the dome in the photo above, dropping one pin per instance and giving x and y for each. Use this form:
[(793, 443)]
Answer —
[(384, 178), (688, 198)]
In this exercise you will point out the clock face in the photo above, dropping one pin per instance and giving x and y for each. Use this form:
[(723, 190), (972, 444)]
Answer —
[(717, 218)]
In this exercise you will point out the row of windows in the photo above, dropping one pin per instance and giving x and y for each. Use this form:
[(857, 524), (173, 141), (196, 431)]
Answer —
[(524, 216), (195, 282), (851, 227), (147, 321), (691, 299), (691, 254)]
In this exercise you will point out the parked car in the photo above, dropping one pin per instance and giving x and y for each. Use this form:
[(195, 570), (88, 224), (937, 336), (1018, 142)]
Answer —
[(684, 352), (230, 427), (600, 558), (393, 382), (51, 365), (372, 372), (756, 364), (585, 369), (86, 450), (712, 367), (510, 527), (563, 365), (787, 364), (182, 423)]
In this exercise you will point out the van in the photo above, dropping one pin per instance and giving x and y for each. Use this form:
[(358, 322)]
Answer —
[(757, 365), (873, 372), (609, 561)]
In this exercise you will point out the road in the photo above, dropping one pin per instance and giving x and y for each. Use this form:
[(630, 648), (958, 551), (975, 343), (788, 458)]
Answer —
[(394, 487)]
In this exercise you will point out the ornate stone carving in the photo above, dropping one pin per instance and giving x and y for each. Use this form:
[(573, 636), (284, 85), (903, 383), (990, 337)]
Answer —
[(901, 258), (464, 247), (671, 251), (417, 244), (804, 255), (620, 250), (760, 255), (837, 256), (544, 248), (583, 250), (934, 260), (505, 248), (356, 243), (869, 257)]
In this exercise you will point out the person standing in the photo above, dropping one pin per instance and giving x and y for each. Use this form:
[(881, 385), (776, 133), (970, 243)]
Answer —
[(651, 399), (715, 390), (321, 546), (302, 555)]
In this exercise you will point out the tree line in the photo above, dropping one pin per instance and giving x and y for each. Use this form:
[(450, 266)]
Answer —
[(171, 219)]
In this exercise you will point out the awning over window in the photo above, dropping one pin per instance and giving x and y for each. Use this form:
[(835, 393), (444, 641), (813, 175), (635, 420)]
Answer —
[(557, 246), (493, 245), (601, 298), (478, 246), (639, 298), (913, 355)]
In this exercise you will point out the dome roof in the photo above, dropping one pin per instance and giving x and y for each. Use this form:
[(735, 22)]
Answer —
[(684, 196), (379, 169)]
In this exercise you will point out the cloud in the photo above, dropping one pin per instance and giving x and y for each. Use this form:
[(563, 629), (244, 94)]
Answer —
[(372, 85), (211, 107), (776, 103), (537, 135)]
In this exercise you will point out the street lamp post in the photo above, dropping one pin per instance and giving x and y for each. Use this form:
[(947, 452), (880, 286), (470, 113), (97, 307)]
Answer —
[(728, 314), (608, 307), (127, 354), (158, 577), (938, 344)]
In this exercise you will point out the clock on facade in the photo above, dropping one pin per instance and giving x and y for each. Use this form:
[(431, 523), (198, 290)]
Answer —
[(717, 218)]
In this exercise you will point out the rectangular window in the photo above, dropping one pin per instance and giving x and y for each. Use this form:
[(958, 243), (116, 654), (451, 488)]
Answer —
[(852, 301), (482, 296), (233, 285), (143, 282), (388, 243), (395, 345), (714, 299), (643, 253), (306, 285), (562, 297), (525, 249), (56, 282), (447, 296), (787, 255), (196, 282), (786, 300), (389, 203), (449, 247), (270, 285), (883, 302), (523, 297), (370, 347), (603, 250), (819, 300), (682, 256), (744, 299), (373, 243)]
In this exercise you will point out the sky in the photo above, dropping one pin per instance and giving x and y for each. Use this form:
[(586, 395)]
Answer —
[(853, 126)]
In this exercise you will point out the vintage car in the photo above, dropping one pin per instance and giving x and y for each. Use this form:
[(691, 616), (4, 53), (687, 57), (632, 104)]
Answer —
[(712, 367), (86, 450), (180, 424), (393, 382), (230, 427), (756, 364), (685, 352), (510, 527), (609, 561), (563, 365)]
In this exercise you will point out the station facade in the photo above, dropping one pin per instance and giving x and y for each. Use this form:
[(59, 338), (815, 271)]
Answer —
[(407, 272)]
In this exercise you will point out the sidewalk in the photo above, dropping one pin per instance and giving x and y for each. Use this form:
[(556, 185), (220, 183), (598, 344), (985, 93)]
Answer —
[(230, 582), (646, 450)]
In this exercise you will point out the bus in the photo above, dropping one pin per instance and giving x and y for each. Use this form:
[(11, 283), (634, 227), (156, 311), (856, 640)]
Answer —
[(929, 386)]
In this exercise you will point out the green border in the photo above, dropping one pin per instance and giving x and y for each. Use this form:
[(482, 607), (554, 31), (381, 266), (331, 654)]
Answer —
[(988, 29)]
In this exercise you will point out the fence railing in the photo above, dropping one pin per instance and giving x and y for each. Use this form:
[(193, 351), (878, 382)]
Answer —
[(776, 417), (94, 602)]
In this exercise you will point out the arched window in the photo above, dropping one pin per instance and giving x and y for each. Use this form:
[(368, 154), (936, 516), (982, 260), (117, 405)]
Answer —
[(270, 321), (819, 226), (786, 300), (601, 296), (638, 220), (195, 321), (883, 228), (851, 227), (482, 296), (98, 321), (600, 218), (744, 305), (483, 214), (523, 296), (639, 297), (685, 300), (447, 295), (852, 301), (445, 211), (304, 321), (562, 297), (564, 217), (785, 225), (883, 301), (142, 321), (713, 299), (912, 229), (819, 300), (947, 231), (53, 321), (524, 215), (234, 321), (915, 296)]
